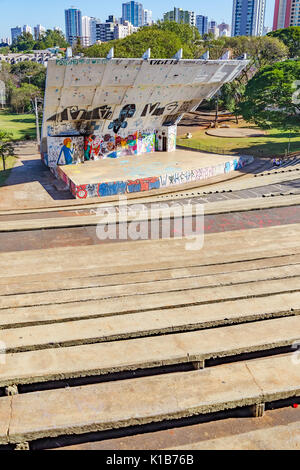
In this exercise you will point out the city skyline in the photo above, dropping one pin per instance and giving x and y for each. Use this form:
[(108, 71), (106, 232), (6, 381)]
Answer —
[(53, 15)]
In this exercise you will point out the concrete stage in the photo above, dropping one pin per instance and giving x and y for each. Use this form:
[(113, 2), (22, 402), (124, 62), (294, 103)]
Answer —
[(136, 173)]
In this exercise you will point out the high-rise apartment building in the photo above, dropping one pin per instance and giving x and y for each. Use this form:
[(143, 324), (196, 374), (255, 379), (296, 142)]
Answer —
[(224, 29), (87, 23), (181, 16), (133, 12), (39, 31), (147, 18), (286, 13), (121, 31), (15, 33), (213, 29), (27, 29), (73, 20), (202, 24), (248, 17), (106, 31)]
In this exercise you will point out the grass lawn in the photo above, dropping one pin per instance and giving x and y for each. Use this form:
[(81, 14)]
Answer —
[(20, 125), (274, 143), (9, 163)]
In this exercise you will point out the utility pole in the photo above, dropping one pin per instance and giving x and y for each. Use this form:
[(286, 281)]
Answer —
[(38, 137)]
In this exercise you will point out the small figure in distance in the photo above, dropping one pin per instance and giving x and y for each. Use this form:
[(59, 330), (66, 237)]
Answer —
[(188, 135)]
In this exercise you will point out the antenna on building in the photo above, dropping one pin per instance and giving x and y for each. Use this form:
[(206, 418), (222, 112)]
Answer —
[(147, 54), (225, 56), (178, 55), (205, 56), (111, 53)]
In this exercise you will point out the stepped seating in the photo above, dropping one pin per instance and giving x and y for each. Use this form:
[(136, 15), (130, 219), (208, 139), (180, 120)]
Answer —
[(144, 305)]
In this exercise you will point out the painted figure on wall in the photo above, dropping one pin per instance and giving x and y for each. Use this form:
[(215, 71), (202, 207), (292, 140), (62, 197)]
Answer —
[(67, 151), (92, 145), (121, 122)]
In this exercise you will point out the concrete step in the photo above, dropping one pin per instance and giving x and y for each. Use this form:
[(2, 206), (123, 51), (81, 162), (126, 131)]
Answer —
[(219, 207), (170, 285), (284, 437), (167, 320), (94, 278), (135, 303), (125, 403), (115, 258), (73, 356)]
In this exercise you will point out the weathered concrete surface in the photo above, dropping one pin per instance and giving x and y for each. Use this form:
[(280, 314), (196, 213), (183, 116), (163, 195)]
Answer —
[(97, 359), (141, 166), (93, 407), (221, 207), (57, 278), (5, 415), (215, 434), (136, 303), (166, 320), (233, 246), (141, 288), (286, 437), (93, 278)]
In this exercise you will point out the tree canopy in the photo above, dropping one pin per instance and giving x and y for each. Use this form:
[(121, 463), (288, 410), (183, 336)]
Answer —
[(164, 39), (30, 72), (290, 37), (271, 98), (22, 97), (51, 38)]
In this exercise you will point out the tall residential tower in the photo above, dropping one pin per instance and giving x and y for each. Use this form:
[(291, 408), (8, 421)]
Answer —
[(248, 17), (73, 19), (286, 13), (134, 13)]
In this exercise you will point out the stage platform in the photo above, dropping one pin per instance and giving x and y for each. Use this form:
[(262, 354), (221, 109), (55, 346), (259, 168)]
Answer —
[(137, 173)]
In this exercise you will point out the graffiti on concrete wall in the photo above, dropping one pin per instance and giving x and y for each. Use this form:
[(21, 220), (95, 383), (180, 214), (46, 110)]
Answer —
[(64, 150), (147, 184), (114, 146)]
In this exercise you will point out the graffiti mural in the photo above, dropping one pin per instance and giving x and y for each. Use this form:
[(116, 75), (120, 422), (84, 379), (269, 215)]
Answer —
[(114, 188), (121, 122), (99, 108), (64, 150)]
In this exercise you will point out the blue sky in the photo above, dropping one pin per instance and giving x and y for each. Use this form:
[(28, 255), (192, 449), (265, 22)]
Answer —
[(51, 13)]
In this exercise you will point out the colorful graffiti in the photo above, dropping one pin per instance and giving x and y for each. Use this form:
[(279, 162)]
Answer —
[(65, 150), (114, 188), (115, 146)]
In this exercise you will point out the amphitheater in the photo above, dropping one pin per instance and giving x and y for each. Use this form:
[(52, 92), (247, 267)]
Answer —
[(147, 344)]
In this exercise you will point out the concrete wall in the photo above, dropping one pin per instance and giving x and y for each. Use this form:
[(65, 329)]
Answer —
[(113, 188), (122, 101)]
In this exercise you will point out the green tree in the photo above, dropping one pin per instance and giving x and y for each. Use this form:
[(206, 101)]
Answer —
[(163, 43), (5, 50), (290, 37), (231, 95), (22, 97), (30, 72), (24, 43), (9, 79), (6, 146), (52, 38), (271, 99)]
